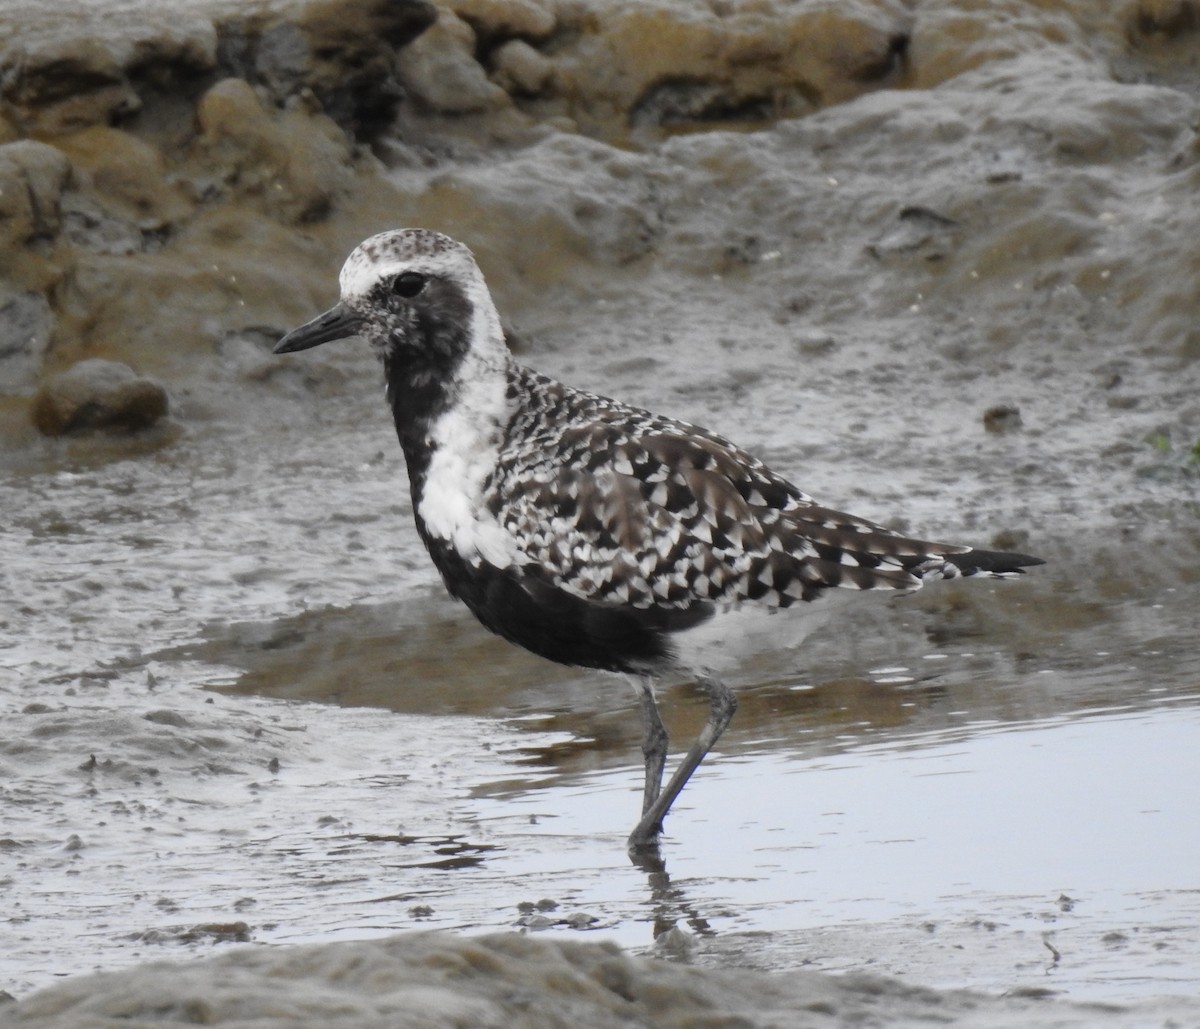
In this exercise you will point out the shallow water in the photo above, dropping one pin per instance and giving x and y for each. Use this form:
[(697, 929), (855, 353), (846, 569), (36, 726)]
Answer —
[(986, 785), (999, 858), (983, 817)]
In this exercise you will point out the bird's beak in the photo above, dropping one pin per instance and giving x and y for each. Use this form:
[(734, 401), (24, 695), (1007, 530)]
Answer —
[(336, 323)]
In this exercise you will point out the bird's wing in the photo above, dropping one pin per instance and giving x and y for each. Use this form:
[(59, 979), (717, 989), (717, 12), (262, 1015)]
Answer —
[(629, 508)]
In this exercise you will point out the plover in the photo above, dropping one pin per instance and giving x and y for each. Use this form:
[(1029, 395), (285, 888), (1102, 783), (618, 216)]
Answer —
[(588, 531)]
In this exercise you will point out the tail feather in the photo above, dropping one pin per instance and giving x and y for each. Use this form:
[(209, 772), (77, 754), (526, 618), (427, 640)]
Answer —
[(992, 562)]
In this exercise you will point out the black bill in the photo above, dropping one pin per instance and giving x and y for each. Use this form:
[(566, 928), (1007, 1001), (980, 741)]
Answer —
[(336, 323)]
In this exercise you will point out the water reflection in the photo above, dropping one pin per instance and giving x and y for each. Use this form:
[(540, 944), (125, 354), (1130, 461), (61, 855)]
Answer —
[(1034, 651), (956, 858)]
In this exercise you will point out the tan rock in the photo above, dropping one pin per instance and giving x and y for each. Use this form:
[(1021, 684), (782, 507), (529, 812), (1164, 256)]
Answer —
[(518, 68), (98, 395), (125, 171), (658, 63), (949, 39), (231, 111), (504, 18), (296, 162), (68, 87), (32, 178), (1166, 19), (440, 70)]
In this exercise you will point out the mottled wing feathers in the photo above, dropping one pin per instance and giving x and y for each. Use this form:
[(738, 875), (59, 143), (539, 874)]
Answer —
[(614, 504)]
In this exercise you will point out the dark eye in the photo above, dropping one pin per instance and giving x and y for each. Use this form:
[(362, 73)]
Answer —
[(408, 284)]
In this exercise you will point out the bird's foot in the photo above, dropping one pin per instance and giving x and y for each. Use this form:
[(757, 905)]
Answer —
[(643, 848)]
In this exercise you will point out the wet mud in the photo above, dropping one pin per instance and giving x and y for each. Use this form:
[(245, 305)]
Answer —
[(937, 266)]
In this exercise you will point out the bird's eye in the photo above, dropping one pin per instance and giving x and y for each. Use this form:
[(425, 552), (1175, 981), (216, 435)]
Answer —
[(408, 284)]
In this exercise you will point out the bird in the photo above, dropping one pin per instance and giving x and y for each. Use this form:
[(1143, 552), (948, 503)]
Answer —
[(591, 532)]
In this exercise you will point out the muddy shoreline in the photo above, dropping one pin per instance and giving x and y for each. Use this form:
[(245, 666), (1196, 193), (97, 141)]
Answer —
[(938, 266)]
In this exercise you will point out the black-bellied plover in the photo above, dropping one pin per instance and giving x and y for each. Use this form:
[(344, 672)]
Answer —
[(587, 531)]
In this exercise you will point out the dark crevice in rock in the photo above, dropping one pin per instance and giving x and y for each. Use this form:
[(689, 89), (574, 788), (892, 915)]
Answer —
[(344, 59), (892, 61), (679, 101)]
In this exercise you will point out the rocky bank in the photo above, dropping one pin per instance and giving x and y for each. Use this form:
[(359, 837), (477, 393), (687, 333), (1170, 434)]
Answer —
[(989, 177)]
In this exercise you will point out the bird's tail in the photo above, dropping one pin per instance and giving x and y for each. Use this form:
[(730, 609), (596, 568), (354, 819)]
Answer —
[(996, 563)]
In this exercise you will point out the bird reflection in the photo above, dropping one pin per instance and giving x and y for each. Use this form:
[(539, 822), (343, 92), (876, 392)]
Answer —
[(668, 901)]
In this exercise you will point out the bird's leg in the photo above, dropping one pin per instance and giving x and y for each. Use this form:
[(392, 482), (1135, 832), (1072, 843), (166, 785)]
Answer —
[(654, 741), (723, 705)]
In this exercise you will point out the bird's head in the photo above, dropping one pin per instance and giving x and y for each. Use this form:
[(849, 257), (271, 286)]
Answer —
[(416, 296)]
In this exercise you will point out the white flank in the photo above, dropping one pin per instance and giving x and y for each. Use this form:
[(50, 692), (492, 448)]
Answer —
[(733, 642)]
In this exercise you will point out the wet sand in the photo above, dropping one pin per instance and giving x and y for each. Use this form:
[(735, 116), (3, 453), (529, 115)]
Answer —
[(247, 732)]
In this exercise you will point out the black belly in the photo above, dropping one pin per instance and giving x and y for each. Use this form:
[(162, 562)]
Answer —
[(560, 626)]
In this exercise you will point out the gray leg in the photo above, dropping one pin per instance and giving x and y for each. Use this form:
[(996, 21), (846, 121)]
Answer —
[(723, 705), (654, 741)]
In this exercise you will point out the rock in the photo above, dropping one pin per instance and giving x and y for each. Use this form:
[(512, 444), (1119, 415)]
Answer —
[(1166, 19), (98, 395), (917, 232), (519, 68), (1002, 418), (90, 226), (659, 64), (127, 173), (108, 65), (231, 111), (950, 39), (440, 70), (344, 55), (276, 56), (296, 162), (26, 324), (75, 83), (32, 179), (813, 343), (505, 18), (101, 65)]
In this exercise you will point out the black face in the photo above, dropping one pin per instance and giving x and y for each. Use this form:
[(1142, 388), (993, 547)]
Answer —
[(411, 294), (417, 321), (411, 319)]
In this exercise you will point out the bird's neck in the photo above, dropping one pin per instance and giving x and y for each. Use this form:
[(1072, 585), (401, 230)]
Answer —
[(454, 366), (451, 422)]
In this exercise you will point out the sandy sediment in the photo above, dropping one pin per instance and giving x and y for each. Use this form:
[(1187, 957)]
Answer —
[(434, 980)]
